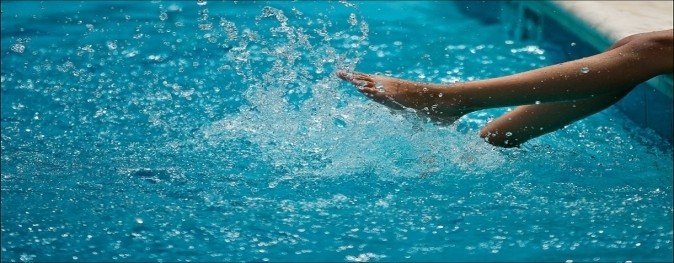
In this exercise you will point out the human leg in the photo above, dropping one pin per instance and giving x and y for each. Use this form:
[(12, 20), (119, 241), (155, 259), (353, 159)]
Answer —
[(629, 62), (530, 121), (591, 84)]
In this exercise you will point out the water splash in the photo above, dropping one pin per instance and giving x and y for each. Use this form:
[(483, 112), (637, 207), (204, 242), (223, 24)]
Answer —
[(301, 122)]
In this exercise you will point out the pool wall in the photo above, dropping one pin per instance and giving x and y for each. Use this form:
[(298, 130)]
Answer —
[(650, 103)]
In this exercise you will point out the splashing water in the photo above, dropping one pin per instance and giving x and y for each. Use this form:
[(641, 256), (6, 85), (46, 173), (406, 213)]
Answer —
[(302, 124)]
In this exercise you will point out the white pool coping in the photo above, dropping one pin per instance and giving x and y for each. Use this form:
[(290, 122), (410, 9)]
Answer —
[(618, 19), (602, 23)]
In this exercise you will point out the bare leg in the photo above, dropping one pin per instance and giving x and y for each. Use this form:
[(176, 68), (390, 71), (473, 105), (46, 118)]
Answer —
[(595, 82), (530, 121), (635, 60)]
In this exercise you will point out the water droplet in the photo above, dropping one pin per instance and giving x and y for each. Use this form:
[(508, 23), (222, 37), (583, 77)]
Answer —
[(352, 19), (206, 26), (18, 48), (130, 54), (339, 122), (112, 45), (364, 29), (87, 48), (584, 70), (152, 57), (379, 86)]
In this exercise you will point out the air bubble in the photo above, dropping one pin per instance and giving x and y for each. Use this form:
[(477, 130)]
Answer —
[(508, 134), (201, 2), (584, 70)]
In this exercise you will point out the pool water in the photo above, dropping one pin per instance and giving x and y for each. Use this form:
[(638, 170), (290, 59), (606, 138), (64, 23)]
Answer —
[(217, 131)]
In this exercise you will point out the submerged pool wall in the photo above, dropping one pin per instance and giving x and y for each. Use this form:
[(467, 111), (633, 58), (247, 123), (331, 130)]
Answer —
[(649, 104)]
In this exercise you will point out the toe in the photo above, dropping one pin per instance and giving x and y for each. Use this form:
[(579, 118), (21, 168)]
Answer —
[(353, 75), (361, 76), (344, 75)]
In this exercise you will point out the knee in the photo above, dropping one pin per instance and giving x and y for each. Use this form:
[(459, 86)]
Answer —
[(653, 46), (653, 50), (651, 41)]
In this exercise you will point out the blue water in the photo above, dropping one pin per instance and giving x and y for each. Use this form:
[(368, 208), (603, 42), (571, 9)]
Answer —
[(216, 131)]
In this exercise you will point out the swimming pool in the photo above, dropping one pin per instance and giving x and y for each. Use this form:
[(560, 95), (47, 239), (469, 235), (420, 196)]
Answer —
[(216, 131)]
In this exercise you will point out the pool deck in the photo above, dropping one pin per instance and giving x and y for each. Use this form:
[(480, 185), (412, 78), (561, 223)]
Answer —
[(618, 19), (602, 23)]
